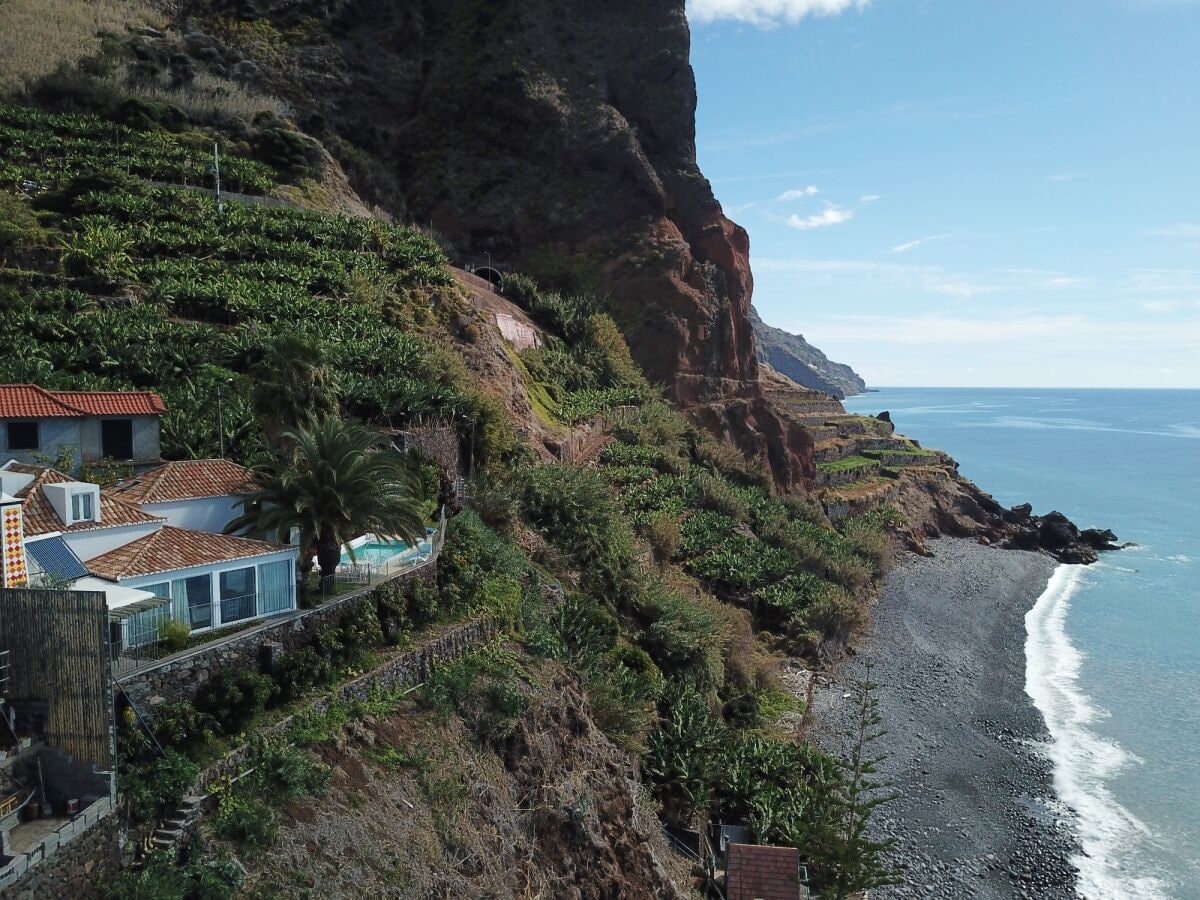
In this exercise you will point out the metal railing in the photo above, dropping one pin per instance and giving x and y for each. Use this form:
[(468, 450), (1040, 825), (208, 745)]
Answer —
[(350, 576), (141, 643)]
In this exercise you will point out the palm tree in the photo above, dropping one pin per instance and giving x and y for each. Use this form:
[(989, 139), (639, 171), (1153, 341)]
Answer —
[(293, 383), (335, 481)]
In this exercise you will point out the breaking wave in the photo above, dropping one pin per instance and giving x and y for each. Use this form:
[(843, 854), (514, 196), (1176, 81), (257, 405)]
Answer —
[(1083, 761)]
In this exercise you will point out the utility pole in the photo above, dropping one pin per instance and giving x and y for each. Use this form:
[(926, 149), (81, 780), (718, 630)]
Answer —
[(217, 176), (220, 423)]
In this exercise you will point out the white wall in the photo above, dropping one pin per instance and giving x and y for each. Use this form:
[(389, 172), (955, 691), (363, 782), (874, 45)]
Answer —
[(214, 571), (209, 514), (93, 542)]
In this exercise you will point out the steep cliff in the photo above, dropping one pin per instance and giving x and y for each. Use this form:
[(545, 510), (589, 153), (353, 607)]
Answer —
[(793, 356), (557, 138)]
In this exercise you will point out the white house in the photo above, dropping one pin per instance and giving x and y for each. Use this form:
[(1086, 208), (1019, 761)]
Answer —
[(202, 494), (208, 579)]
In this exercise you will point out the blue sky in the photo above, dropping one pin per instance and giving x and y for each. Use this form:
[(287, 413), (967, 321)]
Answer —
[(960, 192)]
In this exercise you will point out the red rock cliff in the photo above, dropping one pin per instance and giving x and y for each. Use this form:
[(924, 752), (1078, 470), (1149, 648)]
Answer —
[(557, 136)]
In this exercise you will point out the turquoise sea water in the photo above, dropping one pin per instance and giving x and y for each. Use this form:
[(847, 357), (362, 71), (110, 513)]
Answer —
[(1113, 649)]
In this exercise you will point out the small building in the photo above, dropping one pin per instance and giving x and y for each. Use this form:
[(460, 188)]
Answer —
[(211, 580), (67, 532), (754, 872), (38, 424), (89, 520), (201, 494)]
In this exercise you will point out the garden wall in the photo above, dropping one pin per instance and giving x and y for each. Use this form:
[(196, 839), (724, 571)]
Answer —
[(410, 668), (182, 676), (72, 860)]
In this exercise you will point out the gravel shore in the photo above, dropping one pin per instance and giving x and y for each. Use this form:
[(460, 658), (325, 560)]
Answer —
[(976, 816)]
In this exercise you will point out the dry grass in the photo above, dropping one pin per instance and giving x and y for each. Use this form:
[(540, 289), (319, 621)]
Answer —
[(39, 35), (205, 98)]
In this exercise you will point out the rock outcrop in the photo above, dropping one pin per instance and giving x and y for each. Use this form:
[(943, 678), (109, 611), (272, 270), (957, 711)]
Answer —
[(793, 356), (555, 136)]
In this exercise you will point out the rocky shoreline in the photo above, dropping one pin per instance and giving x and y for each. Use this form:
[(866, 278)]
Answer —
[(976, 816)]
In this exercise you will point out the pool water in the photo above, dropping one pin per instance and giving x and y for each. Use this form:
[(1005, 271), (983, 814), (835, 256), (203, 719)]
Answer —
[(374, 553)]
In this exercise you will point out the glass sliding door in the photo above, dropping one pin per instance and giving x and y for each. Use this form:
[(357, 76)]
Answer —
[(238, 594), (191, 601), (275, 587)]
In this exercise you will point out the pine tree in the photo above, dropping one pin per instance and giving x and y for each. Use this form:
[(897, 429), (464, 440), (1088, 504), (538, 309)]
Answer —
[(858, 857)]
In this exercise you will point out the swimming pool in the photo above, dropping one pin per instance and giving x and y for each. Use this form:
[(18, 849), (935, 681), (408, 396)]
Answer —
[(369, 550)]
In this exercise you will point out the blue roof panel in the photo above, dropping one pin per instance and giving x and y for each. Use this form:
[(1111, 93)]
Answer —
[(56, 559)]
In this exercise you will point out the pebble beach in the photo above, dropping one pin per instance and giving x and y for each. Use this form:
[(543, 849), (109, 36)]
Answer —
[(976, 815)]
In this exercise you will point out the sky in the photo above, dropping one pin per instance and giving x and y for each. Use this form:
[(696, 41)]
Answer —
[(961, 192)]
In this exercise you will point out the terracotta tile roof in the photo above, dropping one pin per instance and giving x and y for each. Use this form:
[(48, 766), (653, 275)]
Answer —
[(28, 401), (39, 514), (187, 480), (762, 873), (171, 548)]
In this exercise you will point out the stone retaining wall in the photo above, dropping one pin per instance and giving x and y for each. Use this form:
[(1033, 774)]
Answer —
[(71, 861), (840, 477), (180, 677), (412, 667)]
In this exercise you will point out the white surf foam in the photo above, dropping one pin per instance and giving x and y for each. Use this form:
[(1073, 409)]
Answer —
[(1083, 761)]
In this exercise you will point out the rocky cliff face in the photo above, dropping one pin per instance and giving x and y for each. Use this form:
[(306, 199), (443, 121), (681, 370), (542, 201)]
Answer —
[(556, 136), (793, 356)]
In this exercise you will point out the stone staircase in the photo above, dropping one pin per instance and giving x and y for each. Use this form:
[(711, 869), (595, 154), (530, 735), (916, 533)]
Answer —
[(175, 827)]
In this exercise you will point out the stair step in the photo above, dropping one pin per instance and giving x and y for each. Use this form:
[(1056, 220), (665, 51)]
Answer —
[(168, 834)]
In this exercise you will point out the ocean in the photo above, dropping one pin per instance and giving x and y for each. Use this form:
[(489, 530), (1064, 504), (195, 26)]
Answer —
[(1113, 650)]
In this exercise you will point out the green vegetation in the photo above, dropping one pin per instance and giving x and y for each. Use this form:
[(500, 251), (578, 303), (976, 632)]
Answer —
[(51, 148), (334, 481), (678, 570), (847, 463), (583, 368)]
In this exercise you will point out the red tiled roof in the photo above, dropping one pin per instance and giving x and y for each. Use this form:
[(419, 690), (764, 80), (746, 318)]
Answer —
[(28, 401), (762, 873), (187, 480), (39, 515), (170, 548)]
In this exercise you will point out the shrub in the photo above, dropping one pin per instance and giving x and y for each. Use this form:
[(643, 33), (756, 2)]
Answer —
[(834, 614), (662, 532), (300, 670), (283, 772), (19, 227), (235, 698), (246, 821), (98, 251), (288, 151), (182, 727), (162, 878), (714, 493), (157, 787), (174, 634), (587, 629)]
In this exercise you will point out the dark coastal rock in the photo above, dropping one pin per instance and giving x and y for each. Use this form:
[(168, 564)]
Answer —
[(1099, 538), (1057, 532), (884, 416)]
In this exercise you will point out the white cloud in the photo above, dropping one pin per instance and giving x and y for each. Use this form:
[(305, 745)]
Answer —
[(797, 194), (1065, 329), (870, 198), (831, 215), (912, 245), (768, 13)]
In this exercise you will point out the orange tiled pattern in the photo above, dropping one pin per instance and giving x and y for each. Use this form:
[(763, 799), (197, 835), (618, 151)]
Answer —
[(39, 514), (28, 401), (172, 548), (187, 480)]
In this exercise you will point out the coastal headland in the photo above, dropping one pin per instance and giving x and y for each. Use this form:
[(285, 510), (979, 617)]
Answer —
[(975, 814)]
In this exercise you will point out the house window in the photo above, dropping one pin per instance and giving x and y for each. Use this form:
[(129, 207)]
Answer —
[(275, 587), (23, 436), (237, 594), (81, 508), (195, 596), (116, 438)]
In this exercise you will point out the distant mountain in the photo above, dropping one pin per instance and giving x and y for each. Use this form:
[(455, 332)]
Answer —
[(793, 356)]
